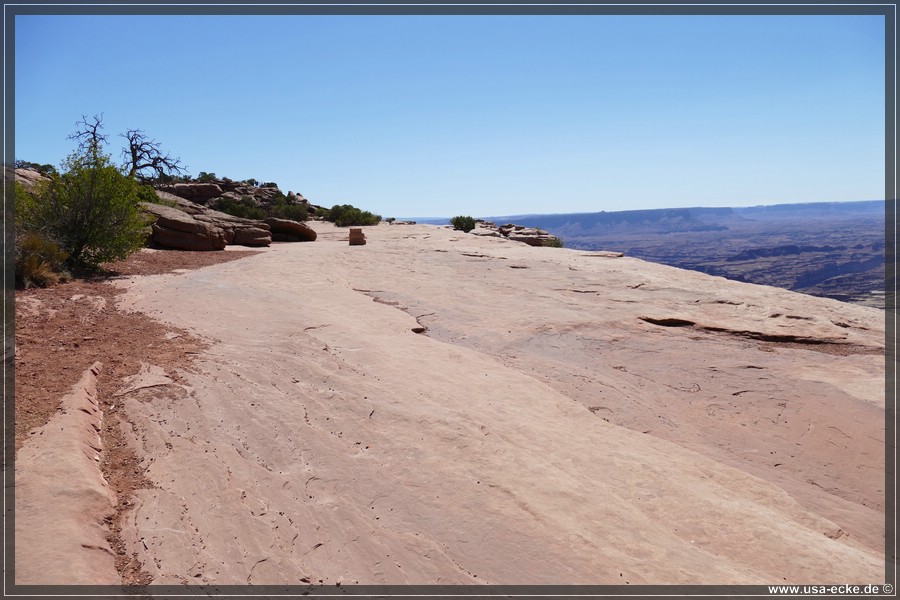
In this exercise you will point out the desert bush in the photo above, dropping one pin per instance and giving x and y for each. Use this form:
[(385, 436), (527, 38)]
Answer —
[(287, 207), (554, 242), (25, 204), (245, 208), (346, 215), (205, 177), (463, 223), (146, 193), (91, 211), (39, 262), (293, 212)]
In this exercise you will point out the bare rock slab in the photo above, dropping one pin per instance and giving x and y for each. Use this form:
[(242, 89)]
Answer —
[(62, 497), (554, 436), (287, 230)]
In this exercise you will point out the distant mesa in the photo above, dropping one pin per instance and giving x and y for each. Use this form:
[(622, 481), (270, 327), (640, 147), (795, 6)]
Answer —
[(829, 249), (755, 253)]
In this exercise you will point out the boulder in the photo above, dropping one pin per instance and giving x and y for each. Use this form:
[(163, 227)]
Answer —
[(284, 229), (180, 231), (197, 192), (357, 237), (212, 230), (168, 217), (485, 229), (181, 240), (530, 236), (252, 236), (518, 233), (28, 178)]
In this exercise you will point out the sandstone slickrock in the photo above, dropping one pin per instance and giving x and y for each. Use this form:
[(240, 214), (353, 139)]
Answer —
[(28, 178), (196, 192), (179, 230), (284, 230), (519, 233), (190, 226), (621, 422), (62, 498)]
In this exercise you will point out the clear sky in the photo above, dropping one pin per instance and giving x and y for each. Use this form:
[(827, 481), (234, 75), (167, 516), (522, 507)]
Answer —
[(424, 116)]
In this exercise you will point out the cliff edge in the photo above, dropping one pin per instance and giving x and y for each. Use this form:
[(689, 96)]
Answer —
[(441, 408)]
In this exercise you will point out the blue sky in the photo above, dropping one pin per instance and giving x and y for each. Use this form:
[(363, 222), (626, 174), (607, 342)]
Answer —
[(485, 115)]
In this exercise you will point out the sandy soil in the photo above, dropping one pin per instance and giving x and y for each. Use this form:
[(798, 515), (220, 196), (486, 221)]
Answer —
[(63, 330)]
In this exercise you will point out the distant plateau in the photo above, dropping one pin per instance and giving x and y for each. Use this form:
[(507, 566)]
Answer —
[(827, 249)]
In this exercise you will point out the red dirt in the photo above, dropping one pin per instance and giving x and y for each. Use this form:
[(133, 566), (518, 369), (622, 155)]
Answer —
[(62, 330)]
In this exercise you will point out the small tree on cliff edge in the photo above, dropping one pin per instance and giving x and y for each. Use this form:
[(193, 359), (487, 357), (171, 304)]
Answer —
[(91, 210), (463, 223)]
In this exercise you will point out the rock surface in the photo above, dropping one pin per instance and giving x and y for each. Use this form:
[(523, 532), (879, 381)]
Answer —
[(179, 230), (28, 178), (195, 191), (284, 230), (207, 192), (519, 233), (190, 226), (621, 422), (62, 497)]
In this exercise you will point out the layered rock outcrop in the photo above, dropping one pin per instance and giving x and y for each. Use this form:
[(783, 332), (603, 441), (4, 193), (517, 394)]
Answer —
[(197, 192), (207, 192), (183, 221), (185, 225), (519, 233), (28, 178), (284, 230)]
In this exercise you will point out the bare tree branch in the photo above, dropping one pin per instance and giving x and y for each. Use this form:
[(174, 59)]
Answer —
[(88, 136), (144, 155)]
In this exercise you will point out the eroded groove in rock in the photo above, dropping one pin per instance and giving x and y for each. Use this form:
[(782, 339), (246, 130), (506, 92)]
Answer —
[(668, 322)]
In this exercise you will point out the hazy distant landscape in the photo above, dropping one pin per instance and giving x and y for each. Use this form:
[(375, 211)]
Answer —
[(828, 249)]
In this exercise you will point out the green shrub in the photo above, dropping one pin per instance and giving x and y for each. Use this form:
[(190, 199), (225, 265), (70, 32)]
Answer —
[(47, 170), (554, 242), (39, 262), (205, 177), (346, 215), (146, 193), (25, 205), (244, 208), (91, 211), (287, 207), (463, 223), (293, 212)]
